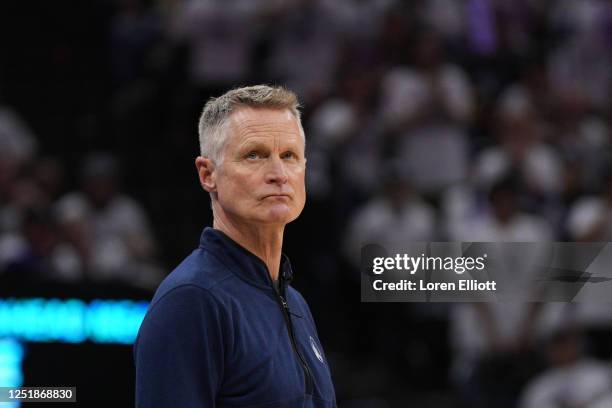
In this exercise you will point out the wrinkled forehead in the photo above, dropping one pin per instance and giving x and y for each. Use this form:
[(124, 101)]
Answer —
[(250, 113), (248, 122)]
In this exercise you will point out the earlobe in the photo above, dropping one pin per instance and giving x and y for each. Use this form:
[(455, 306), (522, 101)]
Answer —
[(206, 173)]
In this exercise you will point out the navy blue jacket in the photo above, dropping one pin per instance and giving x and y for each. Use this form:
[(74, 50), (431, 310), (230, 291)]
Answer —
[(218, 334)]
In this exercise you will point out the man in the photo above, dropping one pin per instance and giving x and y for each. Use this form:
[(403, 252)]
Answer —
[(224, 328)]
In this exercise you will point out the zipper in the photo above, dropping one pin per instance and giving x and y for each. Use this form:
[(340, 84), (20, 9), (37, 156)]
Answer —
[(287, 315)]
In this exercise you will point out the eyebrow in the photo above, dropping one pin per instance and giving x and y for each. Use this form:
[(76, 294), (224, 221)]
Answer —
[(256, 144), (252, 144)]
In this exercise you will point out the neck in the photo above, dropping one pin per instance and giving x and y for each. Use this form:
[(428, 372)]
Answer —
[(266, 242)]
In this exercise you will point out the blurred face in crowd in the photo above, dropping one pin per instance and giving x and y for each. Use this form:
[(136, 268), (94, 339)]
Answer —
[(565, 349), (261, 177), (504, 205), (428, 51), (398, 193), (519, 133), (100, 190)]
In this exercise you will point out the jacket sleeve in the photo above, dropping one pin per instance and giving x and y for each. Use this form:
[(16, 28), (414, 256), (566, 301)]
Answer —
[(179, 351)]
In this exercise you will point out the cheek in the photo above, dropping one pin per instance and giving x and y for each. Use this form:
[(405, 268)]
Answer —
[(229, 193), (300, 188), (233, 185)]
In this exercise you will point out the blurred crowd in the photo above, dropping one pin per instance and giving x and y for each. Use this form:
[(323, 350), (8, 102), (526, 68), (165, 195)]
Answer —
[(426, 120)]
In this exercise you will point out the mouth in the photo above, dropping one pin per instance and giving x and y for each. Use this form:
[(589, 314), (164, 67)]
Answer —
[(277, 196)]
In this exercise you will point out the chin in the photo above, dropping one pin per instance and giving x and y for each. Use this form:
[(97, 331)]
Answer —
[(277, 215)]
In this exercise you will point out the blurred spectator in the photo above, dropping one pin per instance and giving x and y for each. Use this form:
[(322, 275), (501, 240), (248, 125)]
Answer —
[(304, 50), (17, 142), (397, 215), (581, 136), (109, 230), (220, 35), (582, 60), (446, 17), (428, 107), (531, 95), (17, 147), (590, 218), (345, 138), (572, 380), (331, 125), (521, 148), (357, 20), (500, 334), (27, 197), (42, 256), (502, 220), (49, 176)]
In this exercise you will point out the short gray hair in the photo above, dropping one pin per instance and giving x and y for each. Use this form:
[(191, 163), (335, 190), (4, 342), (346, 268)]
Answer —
[(212, 127)]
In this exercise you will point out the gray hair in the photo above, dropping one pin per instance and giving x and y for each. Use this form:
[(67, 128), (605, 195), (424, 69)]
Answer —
[(213, 122)]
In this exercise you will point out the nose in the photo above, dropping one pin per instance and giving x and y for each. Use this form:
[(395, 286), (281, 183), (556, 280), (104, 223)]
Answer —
[(276, 173)]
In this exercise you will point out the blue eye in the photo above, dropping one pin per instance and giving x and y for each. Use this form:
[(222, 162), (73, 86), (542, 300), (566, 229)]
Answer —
[(252, 155)]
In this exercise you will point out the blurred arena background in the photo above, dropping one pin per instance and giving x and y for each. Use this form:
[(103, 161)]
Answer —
[(473, 120)]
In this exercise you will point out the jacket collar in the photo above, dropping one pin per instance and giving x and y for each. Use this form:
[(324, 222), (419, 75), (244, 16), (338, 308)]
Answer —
[(248, 266)]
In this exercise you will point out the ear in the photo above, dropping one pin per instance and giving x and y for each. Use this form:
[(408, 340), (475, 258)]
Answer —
[(206, 173)]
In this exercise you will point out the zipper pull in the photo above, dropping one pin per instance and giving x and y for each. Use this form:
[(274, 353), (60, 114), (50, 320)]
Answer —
[(284, 302), (286, 307)]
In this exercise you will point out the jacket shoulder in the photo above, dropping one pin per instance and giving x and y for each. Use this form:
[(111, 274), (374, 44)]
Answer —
[(201, 269)]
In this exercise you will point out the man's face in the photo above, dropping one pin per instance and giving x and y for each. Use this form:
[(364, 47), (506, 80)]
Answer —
[(261, 177)]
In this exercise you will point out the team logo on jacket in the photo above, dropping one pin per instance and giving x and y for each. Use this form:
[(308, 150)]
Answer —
[(316, 350)]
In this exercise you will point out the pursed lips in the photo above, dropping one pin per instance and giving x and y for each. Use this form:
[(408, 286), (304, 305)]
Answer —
[(275, 196)]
